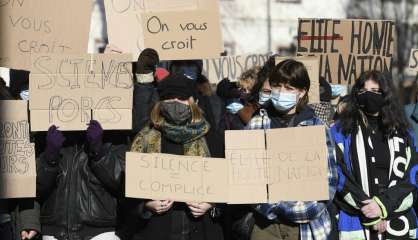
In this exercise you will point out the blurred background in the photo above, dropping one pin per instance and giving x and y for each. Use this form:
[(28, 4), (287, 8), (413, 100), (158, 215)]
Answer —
[(263, 26)]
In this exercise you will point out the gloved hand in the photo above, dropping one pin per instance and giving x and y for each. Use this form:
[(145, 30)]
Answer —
[(94, 137), (227, 89), (54, 141)]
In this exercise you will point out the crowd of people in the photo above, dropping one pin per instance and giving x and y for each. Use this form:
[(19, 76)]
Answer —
[(370, 139)]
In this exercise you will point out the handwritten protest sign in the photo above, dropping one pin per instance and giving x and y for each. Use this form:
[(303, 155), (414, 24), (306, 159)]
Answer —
[(288, 164), (347, 47), (177, 178), (177, 29), (312, 66), (17, 153), (70, 90), (413, 62), (231, 67), (297, 163), (42, 27), (246, 155)]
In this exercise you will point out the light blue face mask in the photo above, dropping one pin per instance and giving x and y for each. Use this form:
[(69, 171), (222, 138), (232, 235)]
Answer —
[(234, 107), (336, 90), (263, 98), (24, 95), (283, 101)]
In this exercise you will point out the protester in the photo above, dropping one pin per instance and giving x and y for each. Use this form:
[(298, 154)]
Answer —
[(283, 98), (376, 153), (79, 181), (177, 127)]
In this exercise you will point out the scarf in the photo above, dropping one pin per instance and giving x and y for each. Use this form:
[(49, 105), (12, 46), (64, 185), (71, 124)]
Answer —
[(190, 135)]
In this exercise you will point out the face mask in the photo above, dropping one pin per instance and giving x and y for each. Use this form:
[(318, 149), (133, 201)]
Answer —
[(336, 90), (24, 95), (145, 78), (371, 102), (284, 101), (234, 107), (263, 98), (176, 112)]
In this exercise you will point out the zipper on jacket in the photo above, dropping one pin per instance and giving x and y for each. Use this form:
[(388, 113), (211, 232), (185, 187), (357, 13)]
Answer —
[(70, 169)]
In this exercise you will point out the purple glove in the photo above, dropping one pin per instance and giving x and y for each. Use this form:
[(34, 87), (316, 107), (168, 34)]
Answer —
[(95, 137), (54, 142)]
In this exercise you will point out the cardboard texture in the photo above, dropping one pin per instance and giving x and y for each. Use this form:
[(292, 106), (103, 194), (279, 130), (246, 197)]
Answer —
[(288, 164), (70, 90), (312, 66), (127, 24), (298, 164), (413, 61), (17, 153), (177, 178), (231, 67), (347, 47), (246, 156), (42, 27)]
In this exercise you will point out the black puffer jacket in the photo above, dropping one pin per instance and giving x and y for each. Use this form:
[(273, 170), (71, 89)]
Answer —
[(79, 196)]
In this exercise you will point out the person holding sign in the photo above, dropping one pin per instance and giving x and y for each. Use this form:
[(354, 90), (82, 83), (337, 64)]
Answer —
[(79, 180), (283, 98), (376, 157), (177, 127)]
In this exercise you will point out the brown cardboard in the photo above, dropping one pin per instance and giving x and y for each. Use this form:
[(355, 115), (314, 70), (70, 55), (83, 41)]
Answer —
[(231, 67), (17, 153), (312, 66), (42, 27), (177, 178), (298, 164), (413, 61), (66, 90), (164, 32), (246, 156), (341, 61), (125, 21)]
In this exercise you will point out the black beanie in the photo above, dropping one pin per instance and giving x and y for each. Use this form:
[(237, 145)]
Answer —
[(324, 90), (147, 61), (176, 86)]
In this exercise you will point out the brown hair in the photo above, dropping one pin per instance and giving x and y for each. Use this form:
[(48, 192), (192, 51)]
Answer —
[(156, 119), (248, 78)]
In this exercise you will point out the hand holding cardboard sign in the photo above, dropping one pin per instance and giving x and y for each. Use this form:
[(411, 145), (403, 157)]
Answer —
[(199, 209), (94, 136), (54, 141), (159, 206)]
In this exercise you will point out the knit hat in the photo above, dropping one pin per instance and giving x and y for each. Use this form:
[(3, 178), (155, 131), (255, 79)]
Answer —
[(147, 61), (176, 86)]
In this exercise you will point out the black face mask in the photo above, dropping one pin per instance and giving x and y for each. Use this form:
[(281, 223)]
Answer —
[(371, 102), (175, 112)]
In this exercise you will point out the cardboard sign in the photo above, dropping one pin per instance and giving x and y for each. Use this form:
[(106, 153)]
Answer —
[(413, 61), (312, 66), (17, 153), (70, 90), (177, 178), (246, 155), (231, 67), (298, 164), (42, 27), (347, 47), (177, 29), (288, 164)]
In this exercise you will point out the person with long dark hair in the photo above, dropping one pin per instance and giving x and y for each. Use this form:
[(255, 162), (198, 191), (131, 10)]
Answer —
[(376, 158)]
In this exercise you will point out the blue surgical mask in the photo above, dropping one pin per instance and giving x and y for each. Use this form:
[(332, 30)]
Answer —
[(336, 90), (24, 95), (263, 98), (234, 107), (283, 101)]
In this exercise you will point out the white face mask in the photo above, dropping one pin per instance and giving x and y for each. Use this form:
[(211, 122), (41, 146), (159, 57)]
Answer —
[(284, 101), (145, 78), (24, 95)]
